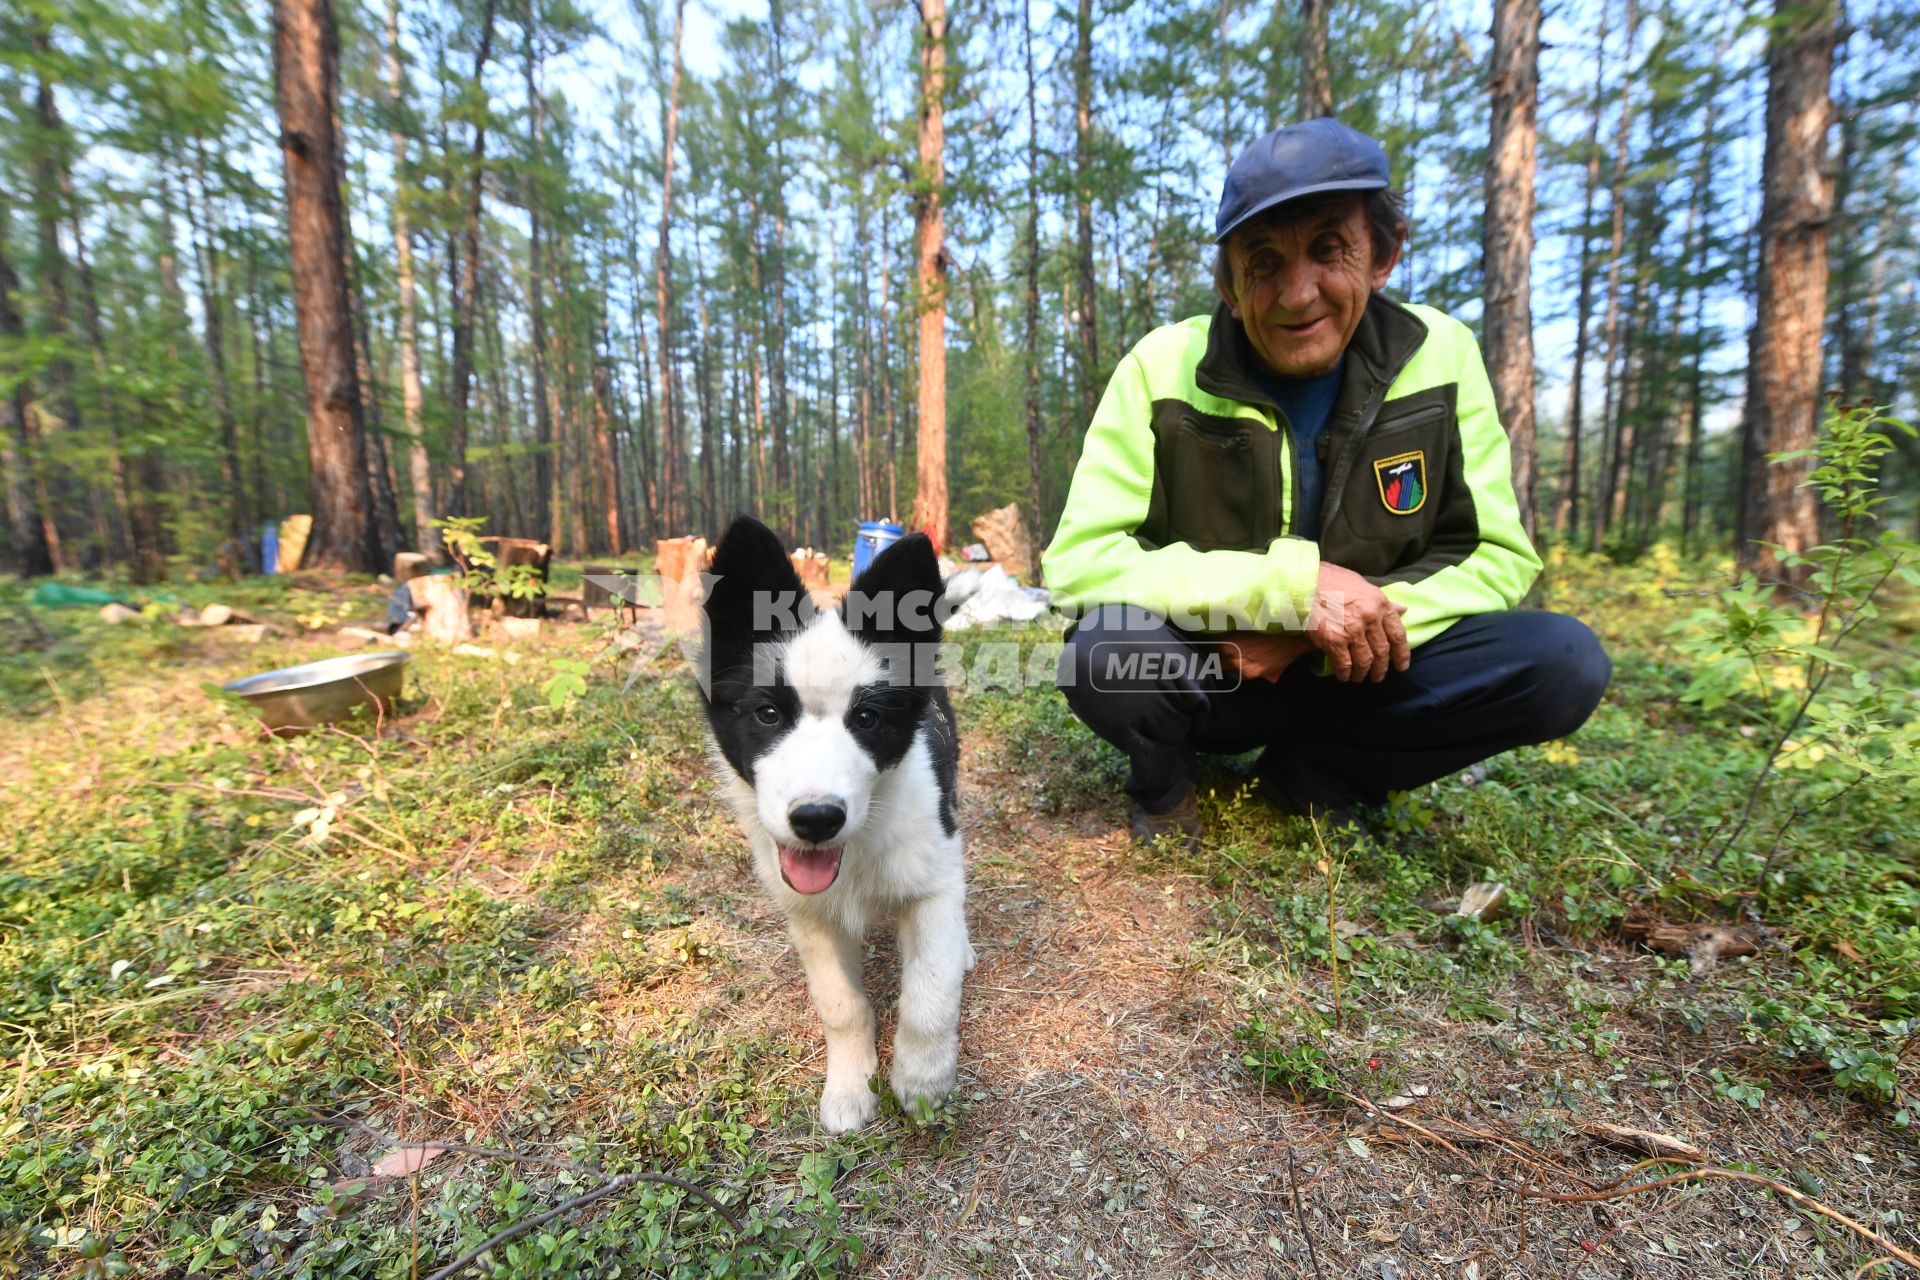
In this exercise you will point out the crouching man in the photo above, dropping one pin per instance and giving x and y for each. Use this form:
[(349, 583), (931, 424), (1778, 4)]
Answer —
[(1293, 525)]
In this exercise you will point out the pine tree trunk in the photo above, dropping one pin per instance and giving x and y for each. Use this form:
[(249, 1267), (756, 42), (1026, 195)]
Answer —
[(1509, 234), (136, 497), (544, 524), (1566, 517), (886, 370), (212, 333), (930, 489), (1036, 515), (863, 419), (1796, 203), (32, 534), (672, 483), (466, 289), (1609, 423), (412, 397), (306, 52), (1086, 290), (603, 452), (1316, 80), (709, 463)]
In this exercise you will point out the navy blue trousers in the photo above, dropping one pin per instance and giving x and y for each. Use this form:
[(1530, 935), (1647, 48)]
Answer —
[(1486, 684)]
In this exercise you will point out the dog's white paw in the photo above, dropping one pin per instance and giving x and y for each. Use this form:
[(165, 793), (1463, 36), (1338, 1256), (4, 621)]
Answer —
[(844, 1109), (922, 1076)]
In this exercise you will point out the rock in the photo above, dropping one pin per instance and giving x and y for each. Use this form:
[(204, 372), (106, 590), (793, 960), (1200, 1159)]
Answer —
[(216, 615), (521, 628), (360, 635), (117, 613), (246, 633)]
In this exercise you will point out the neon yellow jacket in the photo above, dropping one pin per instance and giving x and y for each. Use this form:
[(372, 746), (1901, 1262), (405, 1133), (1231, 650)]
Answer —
[(1183, 500)]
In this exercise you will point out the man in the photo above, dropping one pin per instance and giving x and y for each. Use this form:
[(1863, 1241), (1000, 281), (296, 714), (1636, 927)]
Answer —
[(1293, 524)]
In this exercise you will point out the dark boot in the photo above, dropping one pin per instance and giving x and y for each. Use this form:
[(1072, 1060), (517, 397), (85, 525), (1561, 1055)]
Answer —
[(1180, 823)]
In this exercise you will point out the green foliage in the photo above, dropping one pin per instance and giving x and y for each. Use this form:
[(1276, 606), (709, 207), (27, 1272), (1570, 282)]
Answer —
[(1832, 716), (480, 569), (569, 681)]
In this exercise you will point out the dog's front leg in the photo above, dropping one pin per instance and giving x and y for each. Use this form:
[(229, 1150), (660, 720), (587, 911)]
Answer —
[(934, 958), (832, 960)]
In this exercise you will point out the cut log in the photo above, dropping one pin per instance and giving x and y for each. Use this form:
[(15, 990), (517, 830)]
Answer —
[(294, 532), (514, 551), (443, 608), (408, 565), (680, 562), (1704, 945), (607, 586), (1004, 534), (813, 568)]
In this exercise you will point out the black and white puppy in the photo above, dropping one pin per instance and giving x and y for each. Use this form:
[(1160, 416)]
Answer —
[(834, 741)]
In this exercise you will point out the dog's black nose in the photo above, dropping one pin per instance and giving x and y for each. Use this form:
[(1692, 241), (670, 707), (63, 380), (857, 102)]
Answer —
[(816, 822)]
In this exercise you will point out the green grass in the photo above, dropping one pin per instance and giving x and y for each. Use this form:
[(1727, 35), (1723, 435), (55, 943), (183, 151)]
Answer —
[(482, 941)]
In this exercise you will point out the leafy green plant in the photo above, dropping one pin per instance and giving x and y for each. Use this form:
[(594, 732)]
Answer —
[(1824, 714), (480, 569), (569, 681)]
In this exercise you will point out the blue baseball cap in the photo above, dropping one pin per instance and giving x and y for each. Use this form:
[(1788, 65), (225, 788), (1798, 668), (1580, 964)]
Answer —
[(1298, 160)]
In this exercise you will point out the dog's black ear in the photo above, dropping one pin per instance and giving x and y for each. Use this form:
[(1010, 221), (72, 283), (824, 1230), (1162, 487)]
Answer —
[(753, 592), (898, 598)]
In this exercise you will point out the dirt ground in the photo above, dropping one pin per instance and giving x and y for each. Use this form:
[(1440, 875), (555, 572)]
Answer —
[(1106, 1126)]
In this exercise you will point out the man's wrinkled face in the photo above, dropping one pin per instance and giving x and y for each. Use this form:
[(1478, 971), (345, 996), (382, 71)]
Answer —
[(1300, 285)]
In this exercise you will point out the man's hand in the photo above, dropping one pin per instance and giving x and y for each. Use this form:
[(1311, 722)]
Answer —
[(1357, 627), (1255, 655)]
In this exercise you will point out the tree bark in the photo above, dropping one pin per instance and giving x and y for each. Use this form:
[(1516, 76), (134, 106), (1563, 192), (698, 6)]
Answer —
[(306, 72), (1566, 518), (212, 333), (672, 504), (1036, 515), (1086, 289), (1509, 234), (1609, 425), (32, 534), (1784, 355), (412, 397), (930, 491), (465, 291), (545, 523), (1316, 79), (704, 372), (603, 449)]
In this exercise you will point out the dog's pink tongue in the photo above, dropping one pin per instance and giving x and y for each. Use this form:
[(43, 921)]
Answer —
[(809, 870)]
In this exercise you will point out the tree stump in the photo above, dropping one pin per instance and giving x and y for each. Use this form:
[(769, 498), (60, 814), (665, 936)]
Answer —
[(813, 568), (442, 604), (606, 586), (408, 565), (679, 562), (514, 551), (294, 531), (1005, 535)]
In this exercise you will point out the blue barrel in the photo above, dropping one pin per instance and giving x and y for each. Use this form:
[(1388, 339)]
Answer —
[(874, 537), (269, 547)]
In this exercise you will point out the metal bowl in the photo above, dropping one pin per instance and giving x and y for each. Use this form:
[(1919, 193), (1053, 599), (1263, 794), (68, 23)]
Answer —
[(314, 693)]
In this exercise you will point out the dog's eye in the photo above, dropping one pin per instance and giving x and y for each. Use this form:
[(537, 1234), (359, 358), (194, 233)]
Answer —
[(866, 718), (766, 713)]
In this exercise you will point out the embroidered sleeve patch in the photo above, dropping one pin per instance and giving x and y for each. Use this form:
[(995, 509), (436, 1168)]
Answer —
[(1403, 481)]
